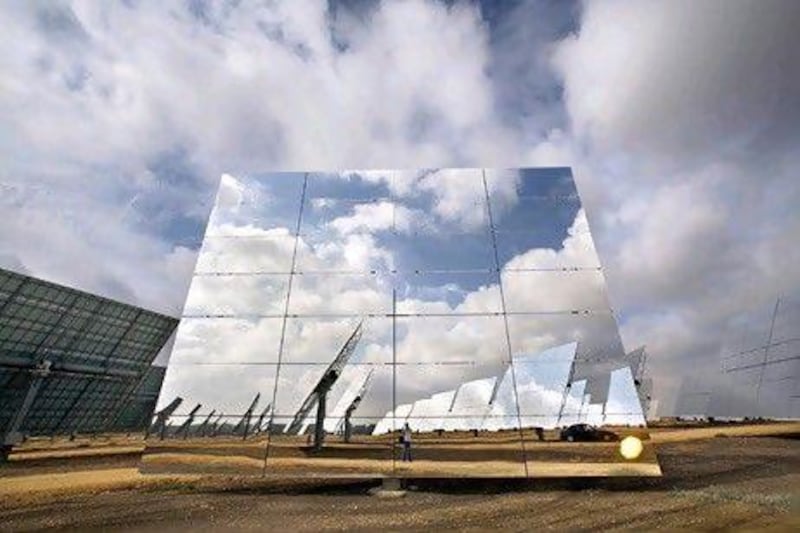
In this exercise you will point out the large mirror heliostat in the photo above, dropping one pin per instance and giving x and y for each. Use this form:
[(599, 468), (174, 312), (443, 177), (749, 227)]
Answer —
[(431, 323)]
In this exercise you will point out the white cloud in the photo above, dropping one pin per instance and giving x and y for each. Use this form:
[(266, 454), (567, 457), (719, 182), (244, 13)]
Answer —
[(248, 88), (458, 194), (675, 77), (230, 193), (379, 216)]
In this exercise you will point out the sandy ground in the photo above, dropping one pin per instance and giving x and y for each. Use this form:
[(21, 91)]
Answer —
[(709, 483), (659, 435)]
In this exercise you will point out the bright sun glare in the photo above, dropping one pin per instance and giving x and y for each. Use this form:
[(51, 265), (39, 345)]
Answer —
[(630, 447)]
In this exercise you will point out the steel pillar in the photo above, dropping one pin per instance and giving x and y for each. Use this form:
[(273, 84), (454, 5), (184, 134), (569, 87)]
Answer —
[(13, 434), (201, 431), (187, 424), (319, 427), (348, 426)]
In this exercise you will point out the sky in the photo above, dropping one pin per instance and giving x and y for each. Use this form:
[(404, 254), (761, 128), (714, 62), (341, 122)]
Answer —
[(679, 119)]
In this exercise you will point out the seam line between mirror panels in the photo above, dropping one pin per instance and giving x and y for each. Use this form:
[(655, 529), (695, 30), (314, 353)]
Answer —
[(283, 322), (505, 317), (394, 381)]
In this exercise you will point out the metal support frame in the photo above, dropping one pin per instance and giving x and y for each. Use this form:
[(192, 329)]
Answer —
[(13, 435), (215, 426), (354, 403), (323, 388), (584, 401), (201, 431), (644, 385), (489, 406), (259, 427), (567, 388), (244, 423), (187, 424), (319, 426), (348, 425), (766, 355), (327, 381), (160, 424)]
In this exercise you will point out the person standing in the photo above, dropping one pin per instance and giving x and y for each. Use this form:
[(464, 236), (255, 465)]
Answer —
[(406, 438)]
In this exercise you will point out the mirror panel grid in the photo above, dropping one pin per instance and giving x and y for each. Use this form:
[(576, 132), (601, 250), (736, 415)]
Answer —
[(396, 323)]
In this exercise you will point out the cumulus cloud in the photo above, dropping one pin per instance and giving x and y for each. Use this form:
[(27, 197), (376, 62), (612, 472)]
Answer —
[(458, 194), (676, 78), (379, 216), (238, 88)]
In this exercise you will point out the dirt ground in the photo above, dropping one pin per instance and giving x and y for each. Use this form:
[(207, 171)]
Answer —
[(710, 482)]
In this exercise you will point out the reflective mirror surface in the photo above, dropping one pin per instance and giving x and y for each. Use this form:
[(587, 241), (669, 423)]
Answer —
[(442, 322)]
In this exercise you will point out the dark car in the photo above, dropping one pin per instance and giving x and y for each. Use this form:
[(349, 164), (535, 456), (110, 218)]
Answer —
[(587, 433)]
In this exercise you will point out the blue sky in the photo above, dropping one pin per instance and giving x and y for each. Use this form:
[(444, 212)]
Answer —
[(679, 121), (546, 203)]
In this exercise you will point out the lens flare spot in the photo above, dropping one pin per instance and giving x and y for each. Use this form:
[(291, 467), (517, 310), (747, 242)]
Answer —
[(631, 447)]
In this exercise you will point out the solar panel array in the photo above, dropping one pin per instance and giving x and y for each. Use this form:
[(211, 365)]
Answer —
[(69, 360), (137, 413), (759, 373)]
